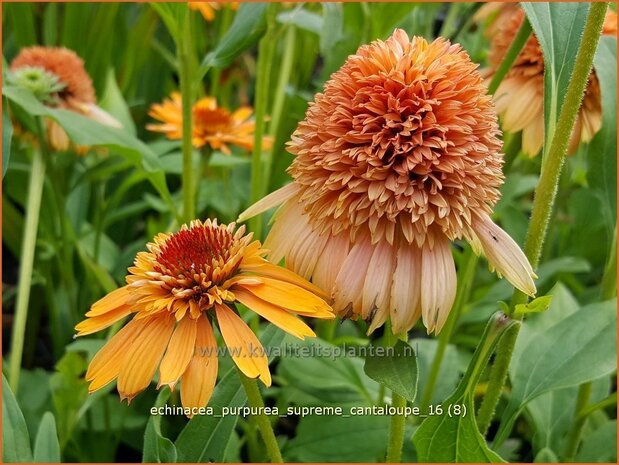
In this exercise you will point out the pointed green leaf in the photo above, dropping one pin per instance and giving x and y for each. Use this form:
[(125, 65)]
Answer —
[(7, 135), (46, 446), (158, 448), (397, 370), (14, 430)]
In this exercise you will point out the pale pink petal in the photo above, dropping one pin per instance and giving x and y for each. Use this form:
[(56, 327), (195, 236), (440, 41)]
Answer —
[(270, 201), (406, 288), (348, 287), (330, 262), (438, 284), (504, 254), (377, 286)]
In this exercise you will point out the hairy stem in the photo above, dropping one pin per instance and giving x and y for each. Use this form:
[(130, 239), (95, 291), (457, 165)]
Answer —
[(545, 195), (264, 425)]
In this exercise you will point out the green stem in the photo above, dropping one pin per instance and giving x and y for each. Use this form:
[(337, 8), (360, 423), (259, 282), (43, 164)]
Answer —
[(545, 195), (573, 437), (396, 431), (266, 51), (465, 281), (610, 401), (521, 38), (31, 226), (186, 86), (609, 280), (264, 425)]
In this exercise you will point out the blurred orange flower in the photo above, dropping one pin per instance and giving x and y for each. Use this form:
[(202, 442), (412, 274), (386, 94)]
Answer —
[(208, 8), (76, 91), (520, 96), (211, 124), (186, 281), (396, 158)]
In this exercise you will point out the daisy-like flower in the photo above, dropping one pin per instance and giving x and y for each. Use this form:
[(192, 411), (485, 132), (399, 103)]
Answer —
[(399, 156), (207, 9), (175, 292), (520, 96), (71, 87), (212, 125)]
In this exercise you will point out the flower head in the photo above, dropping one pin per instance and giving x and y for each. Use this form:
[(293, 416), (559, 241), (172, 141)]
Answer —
[(397, 157), (520, 96), (207, 9), (186, 281), (212, 125), (66, 85)]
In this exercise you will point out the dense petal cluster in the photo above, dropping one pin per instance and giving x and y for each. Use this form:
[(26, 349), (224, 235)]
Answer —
[(520, 96), (175, 290), (76, 92), (212, 125), (396, 158)]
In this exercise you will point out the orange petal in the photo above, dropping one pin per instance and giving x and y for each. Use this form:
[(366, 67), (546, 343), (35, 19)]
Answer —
[(288, 296), (106, 364), (264, 268), (97, 323), (243, 345), (110, 302), (179, 353), (199, 379), (277, 316), (143, 357)]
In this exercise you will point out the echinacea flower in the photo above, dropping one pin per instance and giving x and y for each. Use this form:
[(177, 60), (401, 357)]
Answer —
[(396, 158), (212, 125), (175, 291), (69, 86), (207, 9), (519, 98)]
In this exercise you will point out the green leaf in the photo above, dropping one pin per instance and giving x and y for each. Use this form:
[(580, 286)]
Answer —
[(451, 435), (248, 26), (171, 14), (14, 431), (579, 348), (7, 134), (558, 28), (84, 131), (303, 19), (158, 448), (205, 438), (46, 446), (397, 370), (538, 305), (338, 439), (114, 102), (22, 22), (602, 151), (600, 446)]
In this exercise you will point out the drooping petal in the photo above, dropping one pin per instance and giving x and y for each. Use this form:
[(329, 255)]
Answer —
[(330, 262), (438, 284), (180, 351), (264, 268), (272, 200), (348, 287), (143, 356), (243, 345), (97, 323), (106, 364), (199, 378), (288, 296), (274, 314), (504, 254), (406, 289), (110, 302), (377, 285)]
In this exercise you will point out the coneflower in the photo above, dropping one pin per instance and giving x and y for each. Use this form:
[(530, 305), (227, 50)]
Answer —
[(72, 88), (212, 125), (185, 283), (399, 156)]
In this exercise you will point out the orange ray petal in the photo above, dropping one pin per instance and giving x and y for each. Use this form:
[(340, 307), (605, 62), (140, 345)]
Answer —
[(179, 353), (199, 379), (97, 323), (277, 316), (110, 302), (264, 268), (142, 358), (243, 345)]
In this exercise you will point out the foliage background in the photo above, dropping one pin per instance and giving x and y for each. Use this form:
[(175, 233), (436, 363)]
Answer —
[(100, 209)]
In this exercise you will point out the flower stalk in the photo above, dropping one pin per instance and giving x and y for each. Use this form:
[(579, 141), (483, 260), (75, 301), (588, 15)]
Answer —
[(396, 431), (266, 50), (545, 195), (510, 57), (254, 399), (186, 86), (31, 226)]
